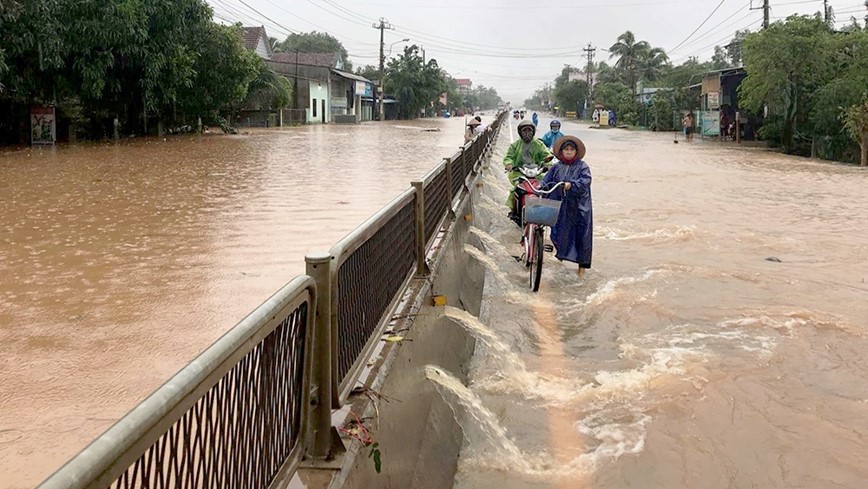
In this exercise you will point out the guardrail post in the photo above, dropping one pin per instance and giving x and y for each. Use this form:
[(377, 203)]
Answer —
[(449, 196), (325, 441), (419, 204)]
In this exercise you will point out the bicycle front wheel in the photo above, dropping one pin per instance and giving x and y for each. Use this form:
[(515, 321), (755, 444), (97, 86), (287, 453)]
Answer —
[(536, 258)]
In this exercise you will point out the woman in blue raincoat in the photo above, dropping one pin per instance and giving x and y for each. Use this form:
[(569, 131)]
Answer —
[(573, 234), (535, 119)]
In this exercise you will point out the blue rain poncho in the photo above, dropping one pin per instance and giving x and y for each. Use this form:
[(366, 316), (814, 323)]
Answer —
[(551, 137), (573, 235)]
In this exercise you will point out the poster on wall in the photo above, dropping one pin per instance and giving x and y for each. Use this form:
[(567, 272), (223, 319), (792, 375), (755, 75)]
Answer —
[(43, 129), (710, 121), (713, 100), (364, 89)]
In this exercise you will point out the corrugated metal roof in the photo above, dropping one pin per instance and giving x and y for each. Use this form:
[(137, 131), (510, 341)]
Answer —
[(351, 76)]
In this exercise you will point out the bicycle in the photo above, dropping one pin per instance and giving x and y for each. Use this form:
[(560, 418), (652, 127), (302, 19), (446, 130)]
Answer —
[(536, 214)]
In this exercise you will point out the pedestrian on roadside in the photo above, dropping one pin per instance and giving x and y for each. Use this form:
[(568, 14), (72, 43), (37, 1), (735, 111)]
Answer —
[(470, 132), (481, 128), (596, 116), (687, 122), (612, 117)]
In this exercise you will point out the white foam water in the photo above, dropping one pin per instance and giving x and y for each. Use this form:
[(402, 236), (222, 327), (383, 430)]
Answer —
[(491, 265), (609, 291), (680, 233), (484, 430), (491, 243), (511, 374)]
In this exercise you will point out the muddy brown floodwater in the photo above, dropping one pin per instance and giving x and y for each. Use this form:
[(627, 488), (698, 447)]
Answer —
[(684, 358), (120, 262)]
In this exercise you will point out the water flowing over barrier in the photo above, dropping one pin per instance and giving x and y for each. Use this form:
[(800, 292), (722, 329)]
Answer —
[(257, 404)]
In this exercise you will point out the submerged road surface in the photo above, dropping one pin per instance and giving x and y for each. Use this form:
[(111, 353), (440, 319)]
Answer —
[(684, 358), (121, 262)]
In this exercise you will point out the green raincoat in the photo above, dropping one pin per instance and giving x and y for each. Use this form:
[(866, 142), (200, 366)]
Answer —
[(520, 154)]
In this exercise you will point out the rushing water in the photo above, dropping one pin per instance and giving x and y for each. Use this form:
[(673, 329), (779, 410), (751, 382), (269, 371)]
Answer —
[(120, 262), (684, 358)]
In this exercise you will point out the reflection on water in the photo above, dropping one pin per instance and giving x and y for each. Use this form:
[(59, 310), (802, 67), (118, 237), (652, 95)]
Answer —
[(120, 262), (684, 358)]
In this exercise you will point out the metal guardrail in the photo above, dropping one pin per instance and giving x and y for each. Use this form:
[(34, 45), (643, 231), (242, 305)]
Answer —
[(436, 199), (245, 411), (233, 417), (369, 268)]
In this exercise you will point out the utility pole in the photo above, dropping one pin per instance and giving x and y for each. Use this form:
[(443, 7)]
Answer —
[(590, 50), (384, 24), (589, 69), (765, 8), (424, 61)]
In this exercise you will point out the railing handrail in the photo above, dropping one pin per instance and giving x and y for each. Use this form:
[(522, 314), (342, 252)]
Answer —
[(357, 237), (112, 453)]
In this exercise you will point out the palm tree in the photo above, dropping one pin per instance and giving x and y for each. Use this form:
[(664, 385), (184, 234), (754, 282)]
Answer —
[(628, 51), (651, 62)]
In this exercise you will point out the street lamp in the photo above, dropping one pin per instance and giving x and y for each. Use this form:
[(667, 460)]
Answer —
[(383, 75), (396, 42)]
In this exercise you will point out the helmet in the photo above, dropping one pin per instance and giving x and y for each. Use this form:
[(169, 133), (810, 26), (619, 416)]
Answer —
[(526, 124), (555, 122)]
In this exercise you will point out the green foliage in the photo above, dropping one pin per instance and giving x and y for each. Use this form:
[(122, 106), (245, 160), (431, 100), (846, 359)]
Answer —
[(571, 95), (619, 97), (637, 60), (377, 456), (807, 75), (417, 85), (482, 97), (314, 42), (268, 90), (224, 73), (369, 71), (786, 63), (130, 59)]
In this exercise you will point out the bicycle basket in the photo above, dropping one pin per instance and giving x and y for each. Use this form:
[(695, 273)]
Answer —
[(541, 211)]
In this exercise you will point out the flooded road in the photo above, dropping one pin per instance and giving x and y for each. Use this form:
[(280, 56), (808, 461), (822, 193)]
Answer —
[(684, 358), (120, 262)]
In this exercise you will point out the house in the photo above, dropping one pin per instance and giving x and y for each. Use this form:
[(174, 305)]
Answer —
[(256, 40), (320, 86), (464, 85), (719, 94)]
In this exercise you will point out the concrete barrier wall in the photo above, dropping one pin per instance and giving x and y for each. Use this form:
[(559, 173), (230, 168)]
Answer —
[(419, 439)]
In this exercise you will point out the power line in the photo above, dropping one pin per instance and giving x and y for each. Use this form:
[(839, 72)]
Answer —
[(715, 30), (715, 43), (700, 26)]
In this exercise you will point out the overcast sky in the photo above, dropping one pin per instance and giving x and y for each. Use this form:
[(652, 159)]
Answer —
[(518, 45)]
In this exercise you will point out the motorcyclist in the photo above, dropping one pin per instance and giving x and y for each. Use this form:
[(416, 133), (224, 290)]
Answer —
[(535, 119), (551, 137), (526, 152)]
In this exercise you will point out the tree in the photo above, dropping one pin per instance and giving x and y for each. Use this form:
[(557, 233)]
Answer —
[(369, 71), (571, 95), (629, 51), (856, 122), (314, 42), (785, 64), (734, 50), (719, 60), (417, 85), (650, 63)]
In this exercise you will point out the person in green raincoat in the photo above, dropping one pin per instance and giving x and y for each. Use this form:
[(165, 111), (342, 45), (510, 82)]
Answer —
[(527, 151)]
